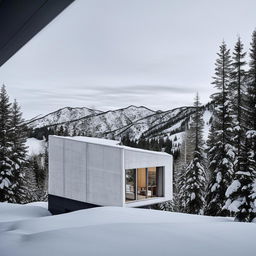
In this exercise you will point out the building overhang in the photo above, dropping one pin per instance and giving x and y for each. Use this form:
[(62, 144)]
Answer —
[(21, 20)]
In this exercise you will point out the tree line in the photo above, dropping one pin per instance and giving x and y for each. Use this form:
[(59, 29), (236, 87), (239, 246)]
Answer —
[(22, 178), (219, 178)]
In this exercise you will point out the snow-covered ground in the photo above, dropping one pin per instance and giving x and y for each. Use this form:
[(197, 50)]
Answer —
[(120, 231), (15, 212)]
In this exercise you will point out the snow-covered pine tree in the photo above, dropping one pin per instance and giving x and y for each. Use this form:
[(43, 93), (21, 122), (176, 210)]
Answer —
[(30, 183), (238, 193), (193, 180), (220, 145), (6, 164), (180, 194), (246, 181), (46, 173), (17, 152), (238, 80), (36, 176), (179, 175)]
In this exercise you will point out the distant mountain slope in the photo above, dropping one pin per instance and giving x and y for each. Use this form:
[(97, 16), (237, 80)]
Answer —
[(135, 122), (61, 116)]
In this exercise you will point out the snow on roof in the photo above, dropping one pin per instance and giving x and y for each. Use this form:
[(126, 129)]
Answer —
[(107, 142), (94, 140)]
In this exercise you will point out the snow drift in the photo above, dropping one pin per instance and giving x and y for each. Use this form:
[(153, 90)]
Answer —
[(121, 231)]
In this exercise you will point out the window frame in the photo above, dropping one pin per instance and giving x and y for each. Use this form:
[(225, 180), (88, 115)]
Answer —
[(162, 168)]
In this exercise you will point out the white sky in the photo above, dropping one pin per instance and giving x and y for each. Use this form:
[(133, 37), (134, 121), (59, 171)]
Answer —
[(114, 53)]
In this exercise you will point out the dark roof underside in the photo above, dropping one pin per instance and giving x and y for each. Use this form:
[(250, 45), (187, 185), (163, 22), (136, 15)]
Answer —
[(20, 20)]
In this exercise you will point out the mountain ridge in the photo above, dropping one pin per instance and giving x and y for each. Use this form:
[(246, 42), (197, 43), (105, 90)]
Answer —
[(134, 121)]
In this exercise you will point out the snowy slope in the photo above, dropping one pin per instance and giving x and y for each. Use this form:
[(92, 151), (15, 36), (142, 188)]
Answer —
[(35, 146), (15, 212), (135, 121), (61, 116), (125, 231)]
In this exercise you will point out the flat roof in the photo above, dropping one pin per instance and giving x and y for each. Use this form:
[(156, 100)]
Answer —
[(107, 142)]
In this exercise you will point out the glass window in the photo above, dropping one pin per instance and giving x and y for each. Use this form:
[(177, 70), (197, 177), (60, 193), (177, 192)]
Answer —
[(160, 181), (130, 184), (143, 183), (152, 185)]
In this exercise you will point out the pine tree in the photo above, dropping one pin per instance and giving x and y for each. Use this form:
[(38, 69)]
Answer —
[(251, 133), (17, 151), (37, 178), (46, 173), (6, 164), (61, 131), (180, 185), (30, 184), (193, 180), (238, 193), (220, 144), (168, 146), (238, 79), (242, 193), (181, 163)]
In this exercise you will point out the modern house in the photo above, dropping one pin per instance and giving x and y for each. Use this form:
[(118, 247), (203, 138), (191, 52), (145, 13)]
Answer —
[(87, 172)]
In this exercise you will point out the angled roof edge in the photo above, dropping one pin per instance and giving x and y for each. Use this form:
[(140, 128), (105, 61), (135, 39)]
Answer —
[(107, 143), (21, 20)]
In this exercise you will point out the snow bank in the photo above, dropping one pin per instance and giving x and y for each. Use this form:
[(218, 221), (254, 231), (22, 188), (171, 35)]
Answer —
[(41, 204), (14, 212), (126, 231)]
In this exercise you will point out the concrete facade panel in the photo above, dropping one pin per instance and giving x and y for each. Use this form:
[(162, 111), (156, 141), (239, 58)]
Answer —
[(56, 166), (75, 170), (104, 167)]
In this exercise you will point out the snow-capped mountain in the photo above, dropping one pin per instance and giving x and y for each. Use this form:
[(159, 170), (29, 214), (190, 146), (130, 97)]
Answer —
[(135, 121), (62, 115)]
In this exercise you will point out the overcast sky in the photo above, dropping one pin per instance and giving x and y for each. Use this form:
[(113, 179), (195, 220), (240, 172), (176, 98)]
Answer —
[(109, 54)]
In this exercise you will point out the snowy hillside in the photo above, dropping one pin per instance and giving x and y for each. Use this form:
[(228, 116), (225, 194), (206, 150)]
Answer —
[(29, 230), (35, 146), (133, 121), (61, 116)]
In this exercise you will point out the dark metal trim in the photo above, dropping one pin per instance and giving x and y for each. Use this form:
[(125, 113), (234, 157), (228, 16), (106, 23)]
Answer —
[(21, 20)]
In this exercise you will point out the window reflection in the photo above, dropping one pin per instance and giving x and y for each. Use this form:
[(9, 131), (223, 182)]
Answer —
[(130, 177)]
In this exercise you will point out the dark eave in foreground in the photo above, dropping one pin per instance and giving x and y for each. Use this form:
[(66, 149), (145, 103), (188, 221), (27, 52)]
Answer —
[(20, 20)]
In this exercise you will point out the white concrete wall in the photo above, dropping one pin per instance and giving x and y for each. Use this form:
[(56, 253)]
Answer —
[(75, 170), (67, 168), (56, 166), (104, 170), (85, 172), (141, 159), (95, 173)]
